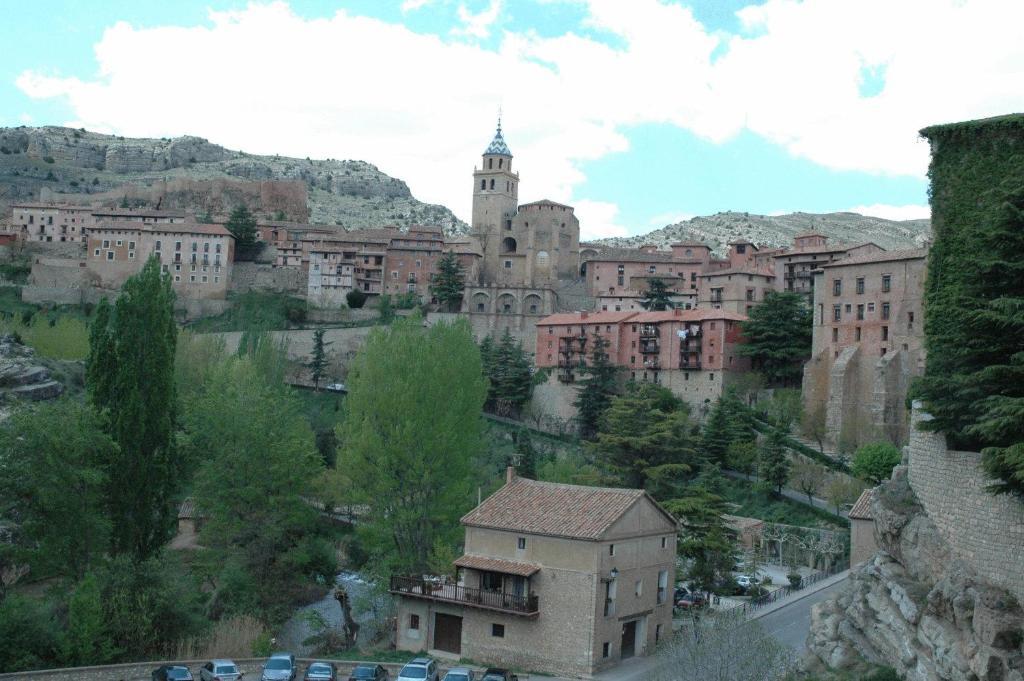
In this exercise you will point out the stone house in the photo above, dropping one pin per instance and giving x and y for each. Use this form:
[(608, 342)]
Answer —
[(556, 578), (862, 530), (735, 289)]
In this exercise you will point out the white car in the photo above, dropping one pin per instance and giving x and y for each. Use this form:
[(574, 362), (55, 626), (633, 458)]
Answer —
[(335, 387), (420, 669), (746, 581), (220, 670)]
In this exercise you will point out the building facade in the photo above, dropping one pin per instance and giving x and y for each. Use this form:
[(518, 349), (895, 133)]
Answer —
[(561, 579), (866, 345)]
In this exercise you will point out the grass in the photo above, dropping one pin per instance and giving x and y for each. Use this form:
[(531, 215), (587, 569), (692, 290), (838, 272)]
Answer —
[(752, 502), (60, 336), (11, 303), (256, 310), (16, 271)]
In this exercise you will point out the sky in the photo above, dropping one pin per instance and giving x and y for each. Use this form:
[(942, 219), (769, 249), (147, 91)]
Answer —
[(637, 112)]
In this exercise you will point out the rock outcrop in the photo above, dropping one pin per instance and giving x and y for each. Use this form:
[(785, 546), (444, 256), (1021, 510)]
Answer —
[(917, 608), (21, 377)]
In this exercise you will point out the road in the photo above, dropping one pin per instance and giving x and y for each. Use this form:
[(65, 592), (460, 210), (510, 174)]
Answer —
[(790, 624), (790, 494)]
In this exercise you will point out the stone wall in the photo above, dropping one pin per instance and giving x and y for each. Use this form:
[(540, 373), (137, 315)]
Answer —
[(249, 276), (985, 531)]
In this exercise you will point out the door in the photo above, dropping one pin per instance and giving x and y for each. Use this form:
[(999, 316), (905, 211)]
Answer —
[(628, 648), (448, 633)]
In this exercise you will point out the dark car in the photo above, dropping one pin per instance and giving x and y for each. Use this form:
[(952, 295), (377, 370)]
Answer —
[(172, 673), (369, 672), (693, 599), (495, 674), (321, 671)]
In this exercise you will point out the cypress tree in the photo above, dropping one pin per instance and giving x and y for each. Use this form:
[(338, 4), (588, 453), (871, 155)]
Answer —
[(242, 225), (596, 388), (131, 372), (774, 464), (318, 362), (449, 282), (777, 337)]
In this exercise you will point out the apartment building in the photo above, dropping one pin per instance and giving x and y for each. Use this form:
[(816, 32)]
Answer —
[(49, 222), (618, 278), (794, 267), (412, 260), (198, 257), (867, 343), (561, 579)]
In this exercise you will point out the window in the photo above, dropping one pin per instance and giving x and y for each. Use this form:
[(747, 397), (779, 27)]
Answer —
[(606, 649), (521, 543), (657, 633), (205, 279), (871, 307), (750, 294), (650, 268), (662, 584), (192, 278), (886, 283), (195, 246), (131, 255), (177, 245), (610, 589), (110, 255), (638, 590), (885, 333), (856, 334), (216, 248), (885, 310), (837, 313), (664, 540), (835, 335), (508, 264), (860, 284), (414, 622), (611, 549), (106, 243), (860, 312), (96, 253), (483, 184), (837, 287), (498, 630), (910, 320), (417, 263), (119, 243), (177, 277)]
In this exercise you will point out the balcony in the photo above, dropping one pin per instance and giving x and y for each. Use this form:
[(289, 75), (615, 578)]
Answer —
[(650, 347), (689, 364), (652, 363), (527, 606), (648, 331)]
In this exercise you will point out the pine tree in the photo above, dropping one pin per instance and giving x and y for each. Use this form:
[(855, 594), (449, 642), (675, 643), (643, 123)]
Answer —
[(242, 225), (385, 309), (317, 364), (773, 463), (777, 337), (512, 371), (449, 282), (657, 296), (596, 388), (704, 539), (131, 373), (488, 360)]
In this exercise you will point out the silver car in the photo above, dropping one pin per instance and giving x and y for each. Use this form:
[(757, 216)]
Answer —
[(420, 669), (459, 674), (280, 667), (220, 670)]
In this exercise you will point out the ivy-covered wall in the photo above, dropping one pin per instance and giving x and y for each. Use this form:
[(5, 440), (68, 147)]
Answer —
[(974, 293)]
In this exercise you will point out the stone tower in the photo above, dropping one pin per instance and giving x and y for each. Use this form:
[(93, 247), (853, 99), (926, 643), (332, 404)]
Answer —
[(495, 198)]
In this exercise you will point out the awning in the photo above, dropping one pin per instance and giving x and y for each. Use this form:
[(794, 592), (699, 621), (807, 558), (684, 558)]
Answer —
[(508, 567)]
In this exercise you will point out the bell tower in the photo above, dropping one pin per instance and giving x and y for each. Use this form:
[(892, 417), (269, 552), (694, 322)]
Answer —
[(495, 199)]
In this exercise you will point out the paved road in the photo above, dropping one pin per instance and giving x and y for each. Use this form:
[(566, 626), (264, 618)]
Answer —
[(790, 624)]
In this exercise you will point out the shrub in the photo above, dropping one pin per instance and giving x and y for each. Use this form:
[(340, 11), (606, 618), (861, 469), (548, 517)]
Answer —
[(795, 578), (874, 462), (48, 159), (355, 299), (29, 635), (295, 311)]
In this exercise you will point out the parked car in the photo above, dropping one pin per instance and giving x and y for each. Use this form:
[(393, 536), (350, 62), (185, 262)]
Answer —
[(459, 674), (746, 581), (321, 671), (369, 672), (496, 674), (220, 670), (279, 667), (172, 673), (335, 387), (419, 669), (690, 600)]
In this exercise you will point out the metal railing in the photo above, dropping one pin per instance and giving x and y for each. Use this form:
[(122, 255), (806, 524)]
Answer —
[(464, 595)]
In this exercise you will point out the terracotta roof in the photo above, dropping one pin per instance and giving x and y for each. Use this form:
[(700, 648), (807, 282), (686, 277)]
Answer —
[(862, 508), (591, 318), (142, 213), (740, 523), (554, 509), (545, 202), (630, 255), (739, 270), (694, 315), (163, 227), (508, 567), (884, 256)]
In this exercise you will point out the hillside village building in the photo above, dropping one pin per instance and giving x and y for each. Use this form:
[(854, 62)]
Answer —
[(867, 345), (560, 578), (618, 278), (48, 223)]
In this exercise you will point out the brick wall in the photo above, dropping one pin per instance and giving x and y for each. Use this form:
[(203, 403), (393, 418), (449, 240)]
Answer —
[(985, 531)]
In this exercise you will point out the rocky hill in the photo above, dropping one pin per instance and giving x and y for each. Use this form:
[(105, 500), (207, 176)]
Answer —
[(778, 230), (79, 166)]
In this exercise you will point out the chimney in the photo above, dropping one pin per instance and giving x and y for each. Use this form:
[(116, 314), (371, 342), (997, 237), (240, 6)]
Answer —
[(510, 474)]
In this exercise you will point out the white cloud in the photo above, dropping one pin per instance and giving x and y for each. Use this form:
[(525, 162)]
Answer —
[(25, 119), (598, 219), (882, 210), (413, 5), (477, 25), (420, 106)]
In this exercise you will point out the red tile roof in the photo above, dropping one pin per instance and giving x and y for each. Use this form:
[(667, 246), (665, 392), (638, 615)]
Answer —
[(884, 256), (508, 567), (739, 270), (862, 508), (591, 318), (554, 509), (695, 315)]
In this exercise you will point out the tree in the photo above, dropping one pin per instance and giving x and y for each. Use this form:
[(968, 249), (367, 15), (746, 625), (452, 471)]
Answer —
[(842, 490), (509, 372), (259, 462), (777, 337), (87, 639), (783, 408), (774, 464), (596, 388), (29, 634), (385, 309), (808, 477), (741, 456), (130, 377), (526, 455), (635, 436), (729, 421), (874, 462), (704, 539), (317, 364), (657, 296), (409, 460), (449, 282), (812, 423), (242, 225), (53, 476), (355, 299)]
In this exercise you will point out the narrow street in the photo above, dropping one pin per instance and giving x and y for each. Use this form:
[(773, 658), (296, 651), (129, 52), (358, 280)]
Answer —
[(790, 623)]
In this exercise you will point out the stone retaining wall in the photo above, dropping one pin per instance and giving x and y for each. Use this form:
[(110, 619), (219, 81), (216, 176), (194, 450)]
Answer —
[(983, 530), (250, 276)]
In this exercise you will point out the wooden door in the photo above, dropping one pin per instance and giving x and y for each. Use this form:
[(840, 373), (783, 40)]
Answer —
[(448, 633), (628, 648)]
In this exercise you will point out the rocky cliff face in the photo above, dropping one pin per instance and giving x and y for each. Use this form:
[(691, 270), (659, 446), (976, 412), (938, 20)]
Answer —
[(778, 230), (918, 609), (92, 166), (22, 377)]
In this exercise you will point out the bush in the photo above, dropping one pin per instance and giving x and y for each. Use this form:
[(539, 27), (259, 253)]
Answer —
[(295, 311), (874, 462), (48, 159), (29, 635), (795, 578), (355, 299)]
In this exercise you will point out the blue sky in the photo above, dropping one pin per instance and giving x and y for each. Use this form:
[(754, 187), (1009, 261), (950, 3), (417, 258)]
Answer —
[(638, 113)]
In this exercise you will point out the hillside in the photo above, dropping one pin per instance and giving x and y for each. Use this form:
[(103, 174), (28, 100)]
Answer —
[(78, 166), (778, 230)]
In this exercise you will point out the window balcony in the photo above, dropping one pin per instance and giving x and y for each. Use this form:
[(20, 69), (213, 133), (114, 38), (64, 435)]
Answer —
[(648, 331), (651, 347), (526, 606)]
